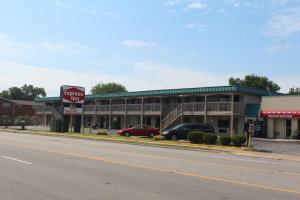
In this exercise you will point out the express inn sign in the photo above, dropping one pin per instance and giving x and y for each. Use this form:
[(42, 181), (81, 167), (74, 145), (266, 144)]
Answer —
[(73, 94)]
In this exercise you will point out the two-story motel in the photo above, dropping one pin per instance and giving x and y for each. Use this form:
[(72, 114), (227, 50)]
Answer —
[(225, 107)]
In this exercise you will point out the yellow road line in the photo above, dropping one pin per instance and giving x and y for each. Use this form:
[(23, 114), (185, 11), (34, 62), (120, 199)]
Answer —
[(218, 179)]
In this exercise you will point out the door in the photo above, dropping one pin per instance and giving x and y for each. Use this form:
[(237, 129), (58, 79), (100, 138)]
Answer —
[(185, 130), (288, 127)]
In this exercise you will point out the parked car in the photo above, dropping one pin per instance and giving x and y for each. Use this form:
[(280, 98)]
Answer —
[(181, 131), (139, 130)]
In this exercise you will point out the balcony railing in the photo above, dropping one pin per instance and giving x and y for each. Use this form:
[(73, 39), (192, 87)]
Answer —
[(154, 107), (193, 107), (196, 107), (40, 109), (134, 107), (219, 107), (122, 108)]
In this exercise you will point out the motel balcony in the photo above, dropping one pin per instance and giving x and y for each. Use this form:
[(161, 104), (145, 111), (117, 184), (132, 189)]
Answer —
[(212, 108), (41, 109)]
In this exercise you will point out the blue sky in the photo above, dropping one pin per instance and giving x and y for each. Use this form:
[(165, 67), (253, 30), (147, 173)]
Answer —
[(148, 44)]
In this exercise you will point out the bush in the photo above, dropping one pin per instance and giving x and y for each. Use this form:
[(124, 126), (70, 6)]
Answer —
[(225, 140), (159, 137), (210, 138), (238, 140), (195, 137), (296, 134), (101, 133), (23, 120)]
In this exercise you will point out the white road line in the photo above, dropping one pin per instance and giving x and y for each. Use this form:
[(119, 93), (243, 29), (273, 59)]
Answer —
[(22, 161)]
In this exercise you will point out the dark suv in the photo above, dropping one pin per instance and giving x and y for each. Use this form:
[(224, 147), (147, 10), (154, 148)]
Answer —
[(181, 131)]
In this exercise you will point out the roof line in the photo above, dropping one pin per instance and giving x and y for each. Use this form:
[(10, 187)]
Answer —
[(166, 92)]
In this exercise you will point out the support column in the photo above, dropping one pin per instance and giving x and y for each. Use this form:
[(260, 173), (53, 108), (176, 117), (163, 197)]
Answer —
[(14, 115), (110, 112), (294, 125), (232, 115), (142, 111), (125, 114), (95, 113), (44, 115), (270, 124), (161, 110), (205, 109), (82, 119)]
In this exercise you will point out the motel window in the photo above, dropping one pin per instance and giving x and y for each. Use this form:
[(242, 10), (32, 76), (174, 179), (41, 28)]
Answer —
[(223, 123), (5, 105), (236, 98)]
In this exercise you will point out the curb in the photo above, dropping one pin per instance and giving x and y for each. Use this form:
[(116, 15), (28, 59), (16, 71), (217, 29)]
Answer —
[(231, 152), (128, 142), (291, 141)]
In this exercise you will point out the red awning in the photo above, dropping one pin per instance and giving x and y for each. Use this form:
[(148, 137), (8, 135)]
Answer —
[(280, 113)]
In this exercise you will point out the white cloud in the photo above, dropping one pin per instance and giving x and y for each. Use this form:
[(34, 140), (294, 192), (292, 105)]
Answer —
[(197, 5), (278, 3), (16, 74), (198, 26), (145, 76), (138, 44), (158, 77), (64, 47), (171, 3), (237, 4), (12, 48), (58, 3), (284, 23), (276, 48), (167, 76)]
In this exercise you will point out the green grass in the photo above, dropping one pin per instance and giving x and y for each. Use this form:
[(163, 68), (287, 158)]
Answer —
[(135, 140)]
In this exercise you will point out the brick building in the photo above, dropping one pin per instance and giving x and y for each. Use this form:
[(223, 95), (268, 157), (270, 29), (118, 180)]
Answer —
[(11, 109)]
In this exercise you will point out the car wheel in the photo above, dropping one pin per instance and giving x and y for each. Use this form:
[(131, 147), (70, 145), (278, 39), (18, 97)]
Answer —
[(127, 134), (151, 135), (174, 138)]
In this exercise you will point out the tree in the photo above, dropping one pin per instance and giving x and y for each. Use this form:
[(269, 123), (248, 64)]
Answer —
[(108, 88), (294, 91), (26, 92), (254, 81)]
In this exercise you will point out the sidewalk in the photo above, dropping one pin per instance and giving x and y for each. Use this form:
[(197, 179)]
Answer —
[(167, 144), (277, 140)]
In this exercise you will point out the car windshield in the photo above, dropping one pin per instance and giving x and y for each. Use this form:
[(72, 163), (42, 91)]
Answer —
[(137, 127), (176, 127)]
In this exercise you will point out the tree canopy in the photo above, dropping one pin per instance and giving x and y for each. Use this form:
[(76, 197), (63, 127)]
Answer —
[(26, 92), (108, 88), (294, 91), (254, 81)]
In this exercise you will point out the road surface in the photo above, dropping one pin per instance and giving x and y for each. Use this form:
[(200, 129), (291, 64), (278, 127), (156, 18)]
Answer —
[(39, 167)]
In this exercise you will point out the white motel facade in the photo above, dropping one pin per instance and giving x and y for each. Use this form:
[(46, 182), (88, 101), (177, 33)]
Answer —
[(225, 107)]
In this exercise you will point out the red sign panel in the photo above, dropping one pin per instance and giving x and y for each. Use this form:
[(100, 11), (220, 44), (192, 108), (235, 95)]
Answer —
[(72, 94), (281, 114)]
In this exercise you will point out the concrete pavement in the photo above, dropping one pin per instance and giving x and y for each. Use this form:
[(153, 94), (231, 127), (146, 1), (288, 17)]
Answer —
[(40, 167)]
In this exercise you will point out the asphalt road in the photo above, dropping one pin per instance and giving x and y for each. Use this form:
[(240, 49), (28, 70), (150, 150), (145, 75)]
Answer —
[(40, 167)]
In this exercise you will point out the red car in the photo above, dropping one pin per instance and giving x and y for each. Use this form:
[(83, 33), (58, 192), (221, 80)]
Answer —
[(139, 130)]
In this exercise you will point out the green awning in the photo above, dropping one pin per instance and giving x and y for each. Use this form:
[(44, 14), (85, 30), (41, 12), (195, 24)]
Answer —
[(252, 110)]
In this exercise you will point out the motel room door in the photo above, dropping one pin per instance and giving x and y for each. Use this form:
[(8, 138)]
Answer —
[(288, 127)]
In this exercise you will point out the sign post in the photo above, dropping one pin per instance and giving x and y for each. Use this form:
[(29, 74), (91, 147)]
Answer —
[(250, 134)]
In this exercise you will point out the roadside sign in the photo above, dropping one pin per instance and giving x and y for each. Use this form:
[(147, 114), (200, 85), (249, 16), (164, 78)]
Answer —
[(251, 128), (72, 94), (72, 111)]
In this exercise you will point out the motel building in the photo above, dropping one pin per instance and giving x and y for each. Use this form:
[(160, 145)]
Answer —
[(225, 107), (281, 114)]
